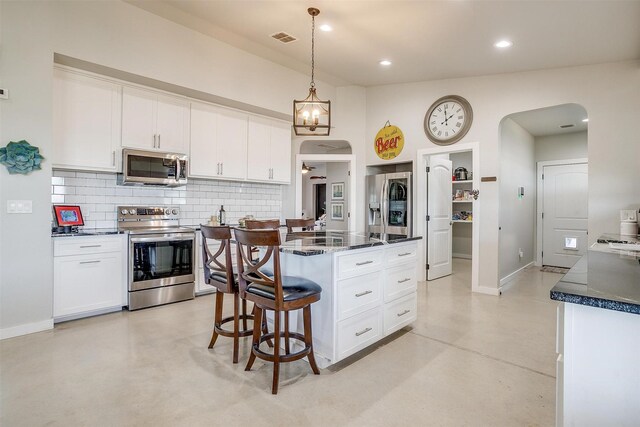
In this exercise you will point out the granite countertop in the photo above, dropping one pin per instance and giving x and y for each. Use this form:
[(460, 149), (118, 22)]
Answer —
[(308, 243), (609, 280), (89, 232)]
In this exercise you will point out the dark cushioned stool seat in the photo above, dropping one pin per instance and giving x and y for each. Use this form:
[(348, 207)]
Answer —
[(293, 288)]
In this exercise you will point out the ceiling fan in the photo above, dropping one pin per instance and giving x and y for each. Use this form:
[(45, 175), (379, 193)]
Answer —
[(306, 169)]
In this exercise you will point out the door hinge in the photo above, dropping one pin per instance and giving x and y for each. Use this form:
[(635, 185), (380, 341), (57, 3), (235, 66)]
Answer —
[(427, 266), (542, 215), (542, 176), (542, 254), (428, 218), (428, 168), (349, 173), (348, 214)]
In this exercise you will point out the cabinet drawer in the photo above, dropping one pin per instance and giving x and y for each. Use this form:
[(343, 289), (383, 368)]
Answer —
[(400, 313), (397, 254), (358, 332), (358, 294), (85, 283), (359, 263), (64, 246), (399, 281)]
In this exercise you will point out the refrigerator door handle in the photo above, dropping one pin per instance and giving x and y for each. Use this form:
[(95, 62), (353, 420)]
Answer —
[(383, 206)]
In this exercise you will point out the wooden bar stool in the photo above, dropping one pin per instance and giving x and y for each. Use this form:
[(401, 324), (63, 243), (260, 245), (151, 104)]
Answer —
[(305, 224), (278, 293), (255, 224), (218, 272)]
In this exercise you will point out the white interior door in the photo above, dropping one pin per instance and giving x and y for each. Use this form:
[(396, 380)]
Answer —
[(439, 212), (564, 218)]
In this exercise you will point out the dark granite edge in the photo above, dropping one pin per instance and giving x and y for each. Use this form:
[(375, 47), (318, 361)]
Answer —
[(90, 232), (608, 304), (403, 239), (312, 252)]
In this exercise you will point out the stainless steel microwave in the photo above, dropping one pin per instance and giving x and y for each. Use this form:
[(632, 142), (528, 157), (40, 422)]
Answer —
[(141, 167)]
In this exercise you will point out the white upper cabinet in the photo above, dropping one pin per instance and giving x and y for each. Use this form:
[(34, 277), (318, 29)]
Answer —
[(218, 142), (269, 150), (86, 122), (154, 121), (281, 152)]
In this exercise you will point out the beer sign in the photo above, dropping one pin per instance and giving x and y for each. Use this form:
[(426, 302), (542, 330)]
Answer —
[(389, 142)]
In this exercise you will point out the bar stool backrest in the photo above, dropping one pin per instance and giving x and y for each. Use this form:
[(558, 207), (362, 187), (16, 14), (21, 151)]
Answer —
[(305, 224), (254, 224), (249, 268), (219, 263)]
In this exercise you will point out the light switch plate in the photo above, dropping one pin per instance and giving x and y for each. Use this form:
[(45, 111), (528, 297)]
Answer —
[(19, 206)]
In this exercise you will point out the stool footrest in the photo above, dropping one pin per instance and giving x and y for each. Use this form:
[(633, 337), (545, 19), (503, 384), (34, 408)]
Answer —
[(229, 333), (283, 357)]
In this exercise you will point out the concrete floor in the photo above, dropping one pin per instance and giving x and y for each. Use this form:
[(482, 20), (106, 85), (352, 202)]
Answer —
[(469, 359)]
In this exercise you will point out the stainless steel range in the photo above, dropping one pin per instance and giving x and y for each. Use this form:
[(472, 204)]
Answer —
[(161, 255)]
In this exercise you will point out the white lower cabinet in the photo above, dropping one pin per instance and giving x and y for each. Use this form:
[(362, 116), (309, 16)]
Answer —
[(358, 332), (89, 276)]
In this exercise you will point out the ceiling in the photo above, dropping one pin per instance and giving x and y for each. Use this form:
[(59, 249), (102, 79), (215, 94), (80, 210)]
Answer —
[(425, 40), (547, 121)]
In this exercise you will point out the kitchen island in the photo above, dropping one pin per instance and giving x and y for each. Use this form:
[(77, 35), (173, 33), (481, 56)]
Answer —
[(369, 287), (598, 340)]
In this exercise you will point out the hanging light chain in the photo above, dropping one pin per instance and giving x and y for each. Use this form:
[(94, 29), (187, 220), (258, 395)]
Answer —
[(313, 31)]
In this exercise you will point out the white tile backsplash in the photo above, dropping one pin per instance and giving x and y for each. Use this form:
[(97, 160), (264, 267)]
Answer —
[(98, 195)]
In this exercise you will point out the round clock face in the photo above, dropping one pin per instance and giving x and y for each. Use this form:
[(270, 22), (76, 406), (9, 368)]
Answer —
[(448, 120)]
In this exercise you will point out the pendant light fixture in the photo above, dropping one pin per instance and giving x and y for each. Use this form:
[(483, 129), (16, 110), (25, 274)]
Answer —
[(311, 116)]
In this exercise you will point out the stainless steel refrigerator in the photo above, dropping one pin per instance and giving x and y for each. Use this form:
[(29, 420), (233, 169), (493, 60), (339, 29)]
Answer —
[(389, 204)]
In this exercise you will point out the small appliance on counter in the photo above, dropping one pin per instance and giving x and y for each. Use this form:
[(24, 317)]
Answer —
[(67, 218), (628, 222)]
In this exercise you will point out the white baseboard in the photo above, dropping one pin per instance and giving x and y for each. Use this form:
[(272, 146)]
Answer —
[(486, 290), (28, 328), (506, 279), (464, 256)]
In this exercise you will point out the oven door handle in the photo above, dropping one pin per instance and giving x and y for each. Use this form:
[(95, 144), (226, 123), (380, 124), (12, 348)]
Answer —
[(149, 239)]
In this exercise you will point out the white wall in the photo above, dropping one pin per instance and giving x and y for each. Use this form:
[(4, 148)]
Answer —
[(517, 216), (338, 172), (610, 93), (561, 147), (126, 38)]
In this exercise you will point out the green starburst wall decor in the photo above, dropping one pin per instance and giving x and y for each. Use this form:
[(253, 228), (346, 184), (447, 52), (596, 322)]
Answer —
[(20, 157)]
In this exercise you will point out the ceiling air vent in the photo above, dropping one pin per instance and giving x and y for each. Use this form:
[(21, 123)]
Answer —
[(284, 37), (566, 126)]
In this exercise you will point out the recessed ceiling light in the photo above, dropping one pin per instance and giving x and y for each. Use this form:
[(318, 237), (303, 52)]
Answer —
[(585, 120), (326, 27), (503, 44), (385, 62)]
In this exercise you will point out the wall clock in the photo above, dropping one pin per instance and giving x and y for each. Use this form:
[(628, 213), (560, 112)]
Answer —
[(448, 120)]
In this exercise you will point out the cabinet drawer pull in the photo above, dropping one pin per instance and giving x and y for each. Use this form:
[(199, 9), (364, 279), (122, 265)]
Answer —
[(363, 293), (89, 262), (364, 331), (405, 254), (403, 313), (364, 263), (90, 246), (158, 140), (403, 280)]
